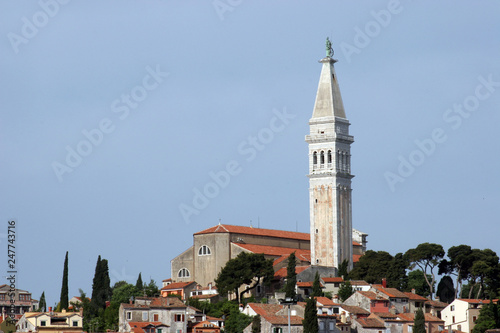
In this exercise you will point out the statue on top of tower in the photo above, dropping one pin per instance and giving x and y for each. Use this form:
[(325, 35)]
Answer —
[(329, 49)]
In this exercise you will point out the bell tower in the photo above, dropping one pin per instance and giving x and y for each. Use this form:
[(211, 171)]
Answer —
[(330, 172)]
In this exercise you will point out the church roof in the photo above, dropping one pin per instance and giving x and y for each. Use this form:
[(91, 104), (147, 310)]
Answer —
[(234, 229), (304, 255), (281, 273), (328, 99)]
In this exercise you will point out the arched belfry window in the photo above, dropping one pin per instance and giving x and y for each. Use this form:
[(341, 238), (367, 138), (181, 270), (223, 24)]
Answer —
[(329, 157), (204, 251), (322, 158), (315, 158), (183, 272)]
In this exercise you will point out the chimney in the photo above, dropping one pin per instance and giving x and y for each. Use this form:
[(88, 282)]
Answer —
[(413, 290), (384, 283), (63, 310), (343, 318)]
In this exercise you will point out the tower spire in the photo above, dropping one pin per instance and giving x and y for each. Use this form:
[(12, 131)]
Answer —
[(328, 99)]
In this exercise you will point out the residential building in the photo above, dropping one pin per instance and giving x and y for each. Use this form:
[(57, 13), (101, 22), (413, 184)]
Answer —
[(461, 314), (22, 302), (398, 301), (368, 301), (432, 324), (50, 322), (368, 325), (168, 311), (182, 289), (415, 302)]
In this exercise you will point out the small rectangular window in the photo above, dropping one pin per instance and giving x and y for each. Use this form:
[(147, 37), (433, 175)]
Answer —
[(75, 323), (43, 323), (155, 317), (129, 315), (144, 315)]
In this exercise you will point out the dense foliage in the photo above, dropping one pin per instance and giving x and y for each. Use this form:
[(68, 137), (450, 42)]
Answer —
[(246, 269), (419, 322), (310, 321), (291, 276)]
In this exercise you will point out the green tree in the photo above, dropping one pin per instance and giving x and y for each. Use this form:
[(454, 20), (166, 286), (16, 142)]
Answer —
[(445, 290), (396, 276), (372, 267), (417, 281), (247, 268), (426, 257), (256, 325), (461, 260), (151, 289), (488, 318), (236, 321), (139, 284), (87, 312), (310, 321), (101, 293), (343, 269), (42, 305), (64, 300), (345, 291), (483, 271), (419, 322), (316, 287), (291, 276)]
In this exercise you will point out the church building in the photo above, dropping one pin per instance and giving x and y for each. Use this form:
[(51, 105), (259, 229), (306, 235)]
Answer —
[(332, 239)]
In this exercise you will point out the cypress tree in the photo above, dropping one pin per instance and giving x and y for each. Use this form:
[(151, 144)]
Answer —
[(316, 288), (419, 323), (64, 300), (101, 290), (139, 285), (291, 276), (310, 321), (42, 307)]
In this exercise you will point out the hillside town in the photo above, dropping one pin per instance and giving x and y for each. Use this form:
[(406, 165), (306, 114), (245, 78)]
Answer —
[(247, 279)]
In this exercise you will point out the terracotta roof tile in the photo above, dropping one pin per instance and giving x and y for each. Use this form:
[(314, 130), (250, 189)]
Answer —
[(281, 273), (332, 279), (355, 309), (171, 302), (391, 292), (415, 297), (226, 228), (177, 285), (303, 255), (138, 326), (370, 323), (369, 294), (307, 284), (325, 301), (359, 283)]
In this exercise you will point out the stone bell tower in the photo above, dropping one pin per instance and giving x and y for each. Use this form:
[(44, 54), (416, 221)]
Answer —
[(330, 172)]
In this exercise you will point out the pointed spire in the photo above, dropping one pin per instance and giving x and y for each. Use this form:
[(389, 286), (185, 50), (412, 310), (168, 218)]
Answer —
[(328, 99)]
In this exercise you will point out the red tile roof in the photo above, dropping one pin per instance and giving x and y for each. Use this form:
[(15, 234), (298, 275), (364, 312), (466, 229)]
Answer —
[(355, 257), (411, 317), (277, 251), (370, 323), (138, 327), (236, 229), (177, 285), (332, 279), (415, 297), (268, 312), (369, 294), (172, 302), (226, 228), (355, 309), (359, 283), (391, 292), (281, 273), (325, 301), (307, 284)]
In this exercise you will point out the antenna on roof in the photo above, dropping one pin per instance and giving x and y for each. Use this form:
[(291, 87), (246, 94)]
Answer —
[(219, 221), (251, 226)]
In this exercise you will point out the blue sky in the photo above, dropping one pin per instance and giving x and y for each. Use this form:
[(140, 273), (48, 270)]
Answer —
[(159, 97)]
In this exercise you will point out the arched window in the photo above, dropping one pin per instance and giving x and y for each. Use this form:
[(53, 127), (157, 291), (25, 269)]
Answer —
[(329, 157), (315, 158), (204, 251), (183, 272), (322, 158)]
